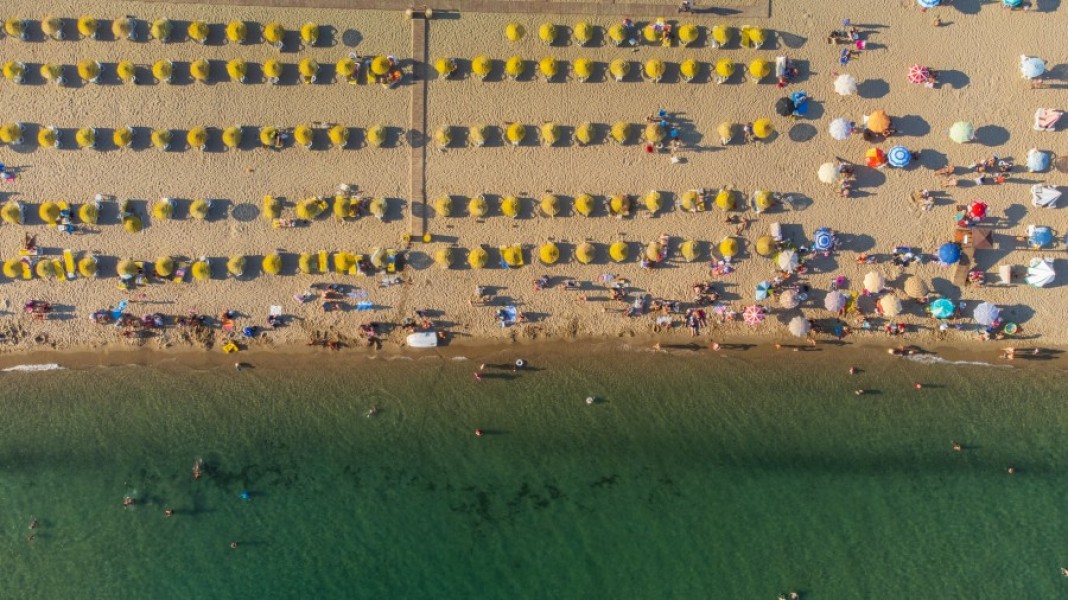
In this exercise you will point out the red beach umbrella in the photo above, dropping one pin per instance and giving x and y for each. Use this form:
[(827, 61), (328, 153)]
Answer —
[(977, 210), (875, 158)]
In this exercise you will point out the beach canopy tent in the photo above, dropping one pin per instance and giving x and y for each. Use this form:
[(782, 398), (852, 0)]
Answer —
[(799, 326), (919, 74), (1039, 236), (899, 157), (840, 129), (763, 290), (1046, 119), (753, 314), (835, 301), (845, 84), (916, 287), (1032, 67), (942, 308), (1037, 160), (874, 282), (949, 253), (1040, 272), (828, 172), (1044, 195), (986, 314)]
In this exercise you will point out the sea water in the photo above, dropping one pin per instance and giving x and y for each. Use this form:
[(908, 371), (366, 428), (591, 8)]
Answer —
[(693, 475)]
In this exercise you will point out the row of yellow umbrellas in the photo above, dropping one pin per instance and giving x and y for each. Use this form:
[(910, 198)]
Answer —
[(551, 205), (550, 253), (161, 29), (551, 133), (653, 69), (584, 32), (196, 137)]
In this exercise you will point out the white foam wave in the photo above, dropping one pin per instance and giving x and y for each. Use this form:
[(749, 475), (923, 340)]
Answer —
[(29, 368), (931, 359)]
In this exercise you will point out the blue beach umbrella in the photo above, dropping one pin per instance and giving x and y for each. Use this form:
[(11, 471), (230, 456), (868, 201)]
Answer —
[(942, 308), (1037, 160), (899, 156), (823, 240), (1012, 3), (763, 289), (928, 3), (949, 253), (1040, 237), (986, 313), (800, 100), (1032, 66)]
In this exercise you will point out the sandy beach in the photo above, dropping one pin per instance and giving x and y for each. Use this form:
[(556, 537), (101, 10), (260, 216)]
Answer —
[(979, 82)]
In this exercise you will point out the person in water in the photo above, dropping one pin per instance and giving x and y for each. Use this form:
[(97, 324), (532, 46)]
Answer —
[(168, 512), (197, 472), (128, 501)]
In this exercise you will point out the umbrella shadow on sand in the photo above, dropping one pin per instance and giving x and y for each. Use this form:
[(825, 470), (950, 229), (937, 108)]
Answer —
[(911, 125), (953, 78), (1017, 313), (873, 88), (867, 177), (992, 135), (855, 242), (968, 7)]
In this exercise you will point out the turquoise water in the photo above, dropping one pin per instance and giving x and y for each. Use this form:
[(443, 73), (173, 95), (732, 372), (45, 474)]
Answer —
[(696, 475)]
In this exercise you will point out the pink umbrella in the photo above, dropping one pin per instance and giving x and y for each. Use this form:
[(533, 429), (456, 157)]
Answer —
[(977, 210), (919, 74), (753, 315)]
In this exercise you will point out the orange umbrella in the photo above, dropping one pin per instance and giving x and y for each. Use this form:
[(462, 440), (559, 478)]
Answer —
[(878, 121), (875, 158)]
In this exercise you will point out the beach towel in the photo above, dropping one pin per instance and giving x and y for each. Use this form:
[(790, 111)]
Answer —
[(1046, 119), (119, 310)]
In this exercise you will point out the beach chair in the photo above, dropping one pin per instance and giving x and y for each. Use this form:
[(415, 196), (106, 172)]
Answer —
[(230, 347), (780, 67), (775, 230), (68, 263), (324, 261), (179, 273)]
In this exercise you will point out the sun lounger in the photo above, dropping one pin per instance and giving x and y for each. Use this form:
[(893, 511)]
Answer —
[(179, 273), (1046, 119), (68, 263), (775, 230)]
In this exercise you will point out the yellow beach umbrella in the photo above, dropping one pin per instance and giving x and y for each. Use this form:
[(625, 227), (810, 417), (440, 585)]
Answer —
[(122, 28), (343, 261), (163, 210), (724, 68), (377, 208), (585, 204), (688, 33), (376, 135), (477, 258), (342, 206), (515, 133), (445, 66), (721, 35), (654, 251), (443, 136), (548, 67), (586, 133), (582, 32), (586, 253), (198, 31), (122, 137), (200, 69), (201, 270), (304, 135), (513, 32), (199, 208), (272, 264), (689, 200), (307, 263), (654, 69), (765, 245), (309, 70), (163, 70), (650, 33), (197, 137), (550, 133), (443, 258), (345, 67), (237, 69), (274, 33), (44, 269), (725, 199), (85, 137), (164, 266), (476, 135), (621, 132), (309, 34), (15, 27), (481, 66), (339, 135), (549, 205), (547, 33), (762, 128), (690, 69), (160, 30), (617, 33), (619, 251), (89, 70), (443, 206), (272, 207), (729, 247), (380, 65), (14, 268), (269, 137), (549, 253), (510, 206), (235, 265), (132, 224), (14, 71), (49, 212), (512, 255), (126, 71), (690, 250), (654, 133), (236, 31), (87, 267), (52, 27), (11, 212), (763, 200), (477, 207), (514, 67), (52, 73), (619, 68), (48, 137), (231, 136), (654, 201), (753, 36), (759, 69), (89, 213), (619, 205), (583, 68), (161, 138), (272, 70), (87, 26), (11, 133)]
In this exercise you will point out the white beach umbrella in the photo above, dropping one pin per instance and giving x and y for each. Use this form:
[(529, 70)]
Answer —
[(1044, 195), (845, 84), (840, 129), (787, 261), (874, 282), (1040, 272), (800, 326), (890, 305), (828, 172), (962, 132), (789, 299), (835, 301)]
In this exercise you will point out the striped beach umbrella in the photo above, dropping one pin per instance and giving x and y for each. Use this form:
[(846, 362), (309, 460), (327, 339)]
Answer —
[(899, 156), (763, 290), (918, 74), (753, 315), (823, 240), (1012, 3)]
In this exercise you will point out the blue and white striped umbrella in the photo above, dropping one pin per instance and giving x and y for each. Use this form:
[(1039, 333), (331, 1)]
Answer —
[(899, 156), (928, 3), (823, 240), (763, 290)]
